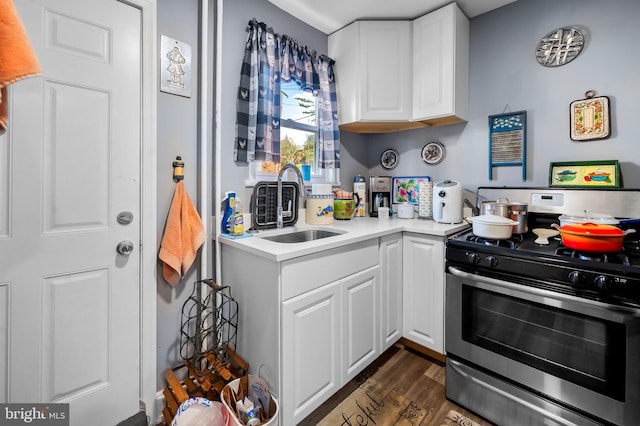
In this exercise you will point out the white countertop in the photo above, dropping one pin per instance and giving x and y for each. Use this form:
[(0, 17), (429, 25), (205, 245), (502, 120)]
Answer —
[(355, 230)]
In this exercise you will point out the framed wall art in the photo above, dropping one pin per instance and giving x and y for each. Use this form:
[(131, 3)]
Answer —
[(585, 174)]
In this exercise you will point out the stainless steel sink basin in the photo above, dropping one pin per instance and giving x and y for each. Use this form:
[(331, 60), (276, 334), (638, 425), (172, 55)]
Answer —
[(302, 236)]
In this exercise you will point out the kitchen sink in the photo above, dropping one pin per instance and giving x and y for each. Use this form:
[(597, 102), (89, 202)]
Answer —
[(302, 236)]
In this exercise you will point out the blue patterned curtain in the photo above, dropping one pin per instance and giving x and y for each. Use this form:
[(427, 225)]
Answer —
[(268, 59)]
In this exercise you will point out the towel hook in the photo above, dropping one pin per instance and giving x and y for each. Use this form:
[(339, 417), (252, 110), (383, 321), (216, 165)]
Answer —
[(178, 169)]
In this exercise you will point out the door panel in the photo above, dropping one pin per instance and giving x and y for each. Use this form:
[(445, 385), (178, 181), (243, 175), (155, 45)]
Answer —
[(68, 374), (76, 198), (72, 152), (360, 314)]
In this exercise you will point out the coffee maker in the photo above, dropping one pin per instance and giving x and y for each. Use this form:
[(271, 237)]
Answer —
[(379, 193)]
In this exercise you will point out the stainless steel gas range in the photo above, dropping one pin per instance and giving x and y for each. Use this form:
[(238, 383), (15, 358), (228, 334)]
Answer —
[(541, 335)]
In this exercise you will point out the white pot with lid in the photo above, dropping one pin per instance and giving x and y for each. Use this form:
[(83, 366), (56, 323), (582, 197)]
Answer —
[(447, 202), (492, 227)]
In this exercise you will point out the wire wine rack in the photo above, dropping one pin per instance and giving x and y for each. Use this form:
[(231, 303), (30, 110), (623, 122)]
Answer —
[(209, 326)]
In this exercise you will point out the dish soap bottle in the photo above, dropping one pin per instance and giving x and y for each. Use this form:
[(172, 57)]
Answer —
[(238, 219)]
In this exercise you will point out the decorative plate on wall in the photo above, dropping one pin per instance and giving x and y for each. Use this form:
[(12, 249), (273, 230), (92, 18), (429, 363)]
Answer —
[(432, 153), (389, 158)]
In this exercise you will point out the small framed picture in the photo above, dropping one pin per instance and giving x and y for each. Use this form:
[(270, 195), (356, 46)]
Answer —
[(585, 174)]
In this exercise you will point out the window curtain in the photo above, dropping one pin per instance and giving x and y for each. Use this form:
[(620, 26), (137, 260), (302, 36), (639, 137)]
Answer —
[(270, 58)]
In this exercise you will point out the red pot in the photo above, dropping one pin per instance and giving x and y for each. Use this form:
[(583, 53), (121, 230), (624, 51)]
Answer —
[(593, 237)]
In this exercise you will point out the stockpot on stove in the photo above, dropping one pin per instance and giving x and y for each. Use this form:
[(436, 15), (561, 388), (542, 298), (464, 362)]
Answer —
[(518, 213), (513, 210)]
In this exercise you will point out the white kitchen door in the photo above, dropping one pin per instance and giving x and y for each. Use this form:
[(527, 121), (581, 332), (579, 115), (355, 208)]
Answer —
[(69, 195)]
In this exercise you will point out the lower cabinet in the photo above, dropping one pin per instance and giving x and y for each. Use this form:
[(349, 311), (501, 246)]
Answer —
[(306, 325), (328, 336), (390, 290), (423, 290), (311, 355), (310, 324)]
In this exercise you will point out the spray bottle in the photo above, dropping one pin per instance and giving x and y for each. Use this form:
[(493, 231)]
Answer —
[(228, 216)]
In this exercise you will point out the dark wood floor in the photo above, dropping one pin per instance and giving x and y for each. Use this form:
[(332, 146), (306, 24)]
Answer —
[(419, 377)]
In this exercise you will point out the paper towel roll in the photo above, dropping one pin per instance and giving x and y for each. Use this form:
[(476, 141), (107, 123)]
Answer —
[(425, 199)]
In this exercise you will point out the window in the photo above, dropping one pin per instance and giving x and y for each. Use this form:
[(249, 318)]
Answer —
[(298, 129), (298, 136)]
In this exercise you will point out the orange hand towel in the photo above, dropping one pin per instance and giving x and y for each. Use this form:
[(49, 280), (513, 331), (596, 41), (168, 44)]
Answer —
[(183, 235), (17, 58)]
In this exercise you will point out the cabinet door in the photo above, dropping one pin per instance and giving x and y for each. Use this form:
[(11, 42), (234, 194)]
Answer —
[(423, 290), (390, 290), (385, 60), (360, 326), (373, 71), (311, 351), (441, 65)]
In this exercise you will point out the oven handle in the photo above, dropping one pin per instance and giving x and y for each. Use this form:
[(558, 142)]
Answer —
[(542, 292)]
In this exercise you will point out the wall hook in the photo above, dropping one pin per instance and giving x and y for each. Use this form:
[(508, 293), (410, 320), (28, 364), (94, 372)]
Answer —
[(178, 169)]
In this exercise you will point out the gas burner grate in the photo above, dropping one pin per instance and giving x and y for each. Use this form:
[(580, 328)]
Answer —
[(618, 258), (511, 243)]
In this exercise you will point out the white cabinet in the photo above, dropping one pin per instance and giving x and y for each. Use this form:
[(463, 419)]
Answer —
[(390, 290), (441, 66), (311, 356), (373, 75), (306, 325), (400, 75), (360, 340), (329, 335), (423, 290)]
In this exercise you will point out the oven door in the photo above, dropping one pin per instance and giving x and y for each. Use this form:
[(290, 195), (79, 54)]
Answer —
[(574, 352)]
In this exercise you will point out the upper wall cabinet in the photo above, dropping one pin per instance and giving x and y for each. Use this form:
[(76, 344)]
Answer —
[(441, 67), (373, 76), (400, 75)]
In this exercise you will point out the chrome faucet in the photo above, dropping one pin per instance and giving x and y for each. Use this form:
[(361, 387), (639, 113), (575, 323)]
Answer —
[(288, 212)]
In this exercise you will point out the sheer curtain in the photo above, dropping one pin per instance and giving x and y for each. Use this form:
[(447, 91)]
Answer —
[(270, 58)]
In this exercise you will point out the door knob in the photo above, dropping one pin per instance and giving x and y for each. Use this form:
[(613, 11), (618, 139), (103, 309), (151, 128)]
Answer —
[(125, 247)]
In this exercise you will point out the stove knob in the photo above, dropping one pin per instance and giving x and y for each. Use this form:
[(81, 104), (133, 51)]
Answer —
[(576, 279), (491, 261), (603, 283), (473, 258)]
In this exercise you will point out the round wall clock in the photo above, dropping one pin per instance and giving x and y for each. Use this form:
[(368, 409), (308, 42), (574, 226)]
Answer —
[(433, 153), (389, 158), (559, 47)]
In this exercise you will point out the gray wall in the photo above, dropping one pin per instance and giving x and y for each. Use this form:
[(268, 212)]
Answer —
[(178, 121), (503, 71)]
